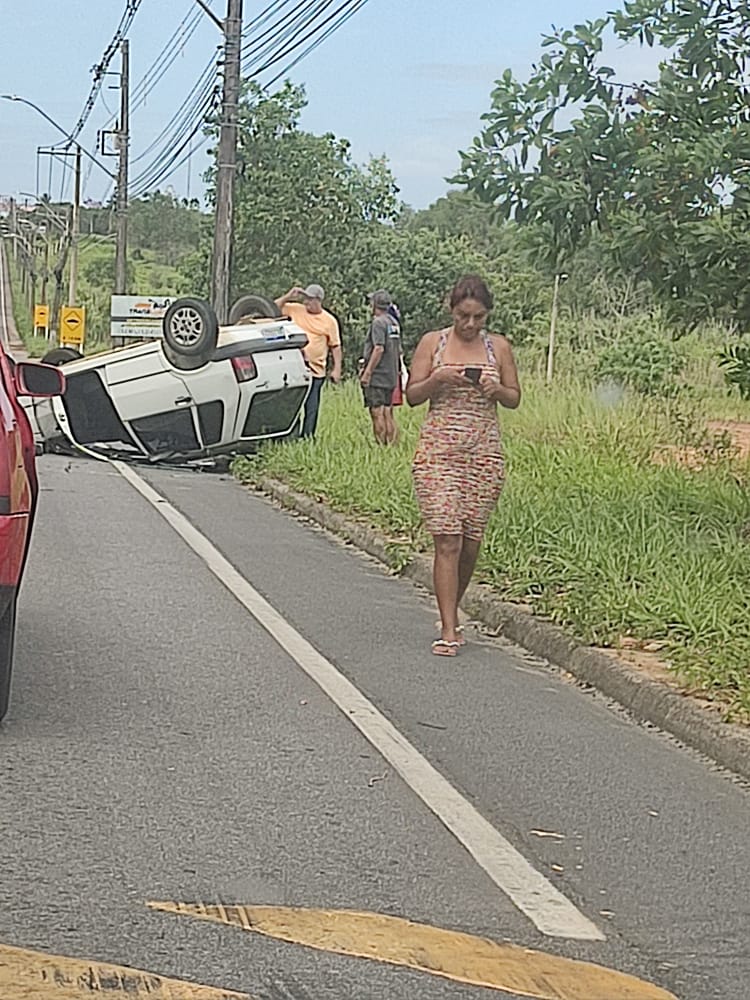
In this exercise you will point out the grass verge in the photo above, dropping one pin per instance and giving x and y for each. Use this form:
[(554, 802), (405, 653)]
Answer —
[(591, 532)]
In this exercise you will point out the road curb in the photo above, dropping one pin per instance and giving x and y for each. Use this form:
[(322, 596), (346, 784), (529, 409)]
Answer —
[(646, 699)]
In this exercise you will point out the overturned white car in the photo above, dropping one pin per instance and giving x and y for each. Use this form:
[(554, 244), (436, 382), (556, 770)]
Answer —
[(198, 392)]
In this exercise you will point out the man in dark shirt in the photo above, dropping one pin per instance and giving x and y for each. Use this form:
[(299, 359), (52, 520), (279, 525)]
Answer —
[(382, 365)]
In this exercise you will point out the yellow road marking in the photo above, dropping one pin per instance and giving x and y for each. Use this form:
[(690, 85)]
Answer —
[(450, 954), (31, 975)]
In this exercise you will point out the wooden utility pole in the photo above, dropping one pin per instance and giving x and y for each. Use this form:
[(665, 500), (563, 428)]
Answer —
[(74, 228), (123, 143), (221, 264)]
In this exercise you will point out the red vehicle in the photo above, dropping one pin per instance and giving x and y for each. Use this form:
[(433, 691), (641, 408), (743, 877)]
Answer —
[(18, 491)]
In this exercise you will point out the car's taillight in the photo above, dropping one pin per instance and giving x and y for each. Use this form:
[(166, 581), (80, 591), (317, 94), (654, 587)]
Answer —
[(244, 368)]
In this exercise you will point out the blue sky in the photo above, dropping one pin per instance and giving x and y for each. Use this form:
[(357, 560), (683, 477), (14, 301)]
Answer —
[(404, 78)]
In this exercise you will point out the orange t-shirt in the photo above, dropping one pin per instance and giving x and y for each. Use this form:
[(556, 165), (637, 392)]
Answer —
[(322, 331)]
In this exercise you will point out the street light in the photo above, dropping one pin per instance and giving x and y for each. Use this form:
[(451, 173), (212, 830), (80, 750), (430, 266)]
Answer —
[(60, 129), (552, 325), (77, 195)]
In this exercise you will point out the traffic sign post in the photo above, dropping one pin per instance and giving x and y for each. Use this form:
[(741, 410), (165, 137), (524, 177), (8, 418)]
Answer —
[(41, 321), (72, 326)]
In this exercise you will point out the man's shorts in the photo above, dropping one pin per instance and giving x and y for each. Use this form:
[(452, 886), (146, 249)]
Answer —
[(375, 397)]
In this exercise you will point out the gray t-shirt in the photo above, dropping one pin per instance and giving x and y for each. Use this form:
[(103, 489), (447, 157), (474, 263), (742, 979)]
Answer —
[(384, 331)]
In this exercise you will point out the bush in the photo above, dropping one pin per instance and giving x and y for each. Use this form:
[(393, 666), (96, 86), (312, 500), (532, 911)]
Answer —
[(735, 362), (647, 364)]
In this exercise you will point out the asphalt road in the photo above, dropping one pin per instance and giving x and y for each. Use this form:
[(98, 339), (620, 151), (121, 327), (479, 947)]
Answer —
[(162, 745)]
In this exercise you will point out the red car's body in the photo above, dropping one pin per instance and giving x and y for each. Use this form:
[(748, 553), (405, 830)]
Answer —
[(18, 494)]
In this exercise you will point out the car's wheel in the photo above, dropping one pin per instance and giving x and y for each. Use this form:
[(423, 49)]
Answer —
[(60, 356), (7, 639), (190, 328), (254, 307)]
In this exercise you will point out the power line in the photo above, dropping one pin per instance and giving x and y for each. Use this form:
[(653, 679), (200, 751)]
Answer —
[(179, 139), (190, 122), (164, 60), (192, 113), (186, 110), (100, 69), (334, 21), (283, 38)]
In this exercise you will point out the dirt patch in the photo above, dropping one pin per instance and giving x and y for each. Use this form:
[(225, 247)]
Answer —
[(738, 432), (724, 438)]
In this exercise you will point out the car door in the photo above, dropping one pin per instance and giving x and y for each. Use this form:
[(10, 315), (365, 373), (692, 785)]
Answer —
[(214, 394), (153, 401)]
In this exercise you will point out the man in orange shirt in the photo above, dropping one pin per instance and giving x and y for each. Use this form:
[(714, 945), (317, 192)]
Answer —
[(323, 335)]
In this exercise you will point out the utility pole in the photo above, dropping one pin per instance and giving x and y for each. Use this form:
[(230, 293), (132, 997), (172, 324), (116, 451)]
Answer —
[(74, 227), (123, 143), (221, 264)]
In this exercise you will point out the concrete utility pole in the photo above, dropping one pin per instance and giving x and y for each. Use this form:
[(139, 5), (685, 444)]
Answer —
[(227, 162), (123, 144), (74, 228)]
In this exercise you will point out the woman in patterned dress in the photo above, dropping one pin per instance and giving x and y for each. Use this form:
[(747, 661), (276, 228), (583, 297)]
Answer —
[(458, 468)]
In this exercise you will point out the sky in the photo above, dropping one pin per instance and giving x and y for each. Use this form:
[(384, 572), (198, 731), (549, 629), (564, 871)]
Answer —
[(408, 79)]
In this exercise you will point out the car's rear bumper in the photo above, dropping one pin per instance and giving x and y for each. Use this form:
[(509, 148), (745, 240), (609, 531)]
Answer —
[(14, 530)]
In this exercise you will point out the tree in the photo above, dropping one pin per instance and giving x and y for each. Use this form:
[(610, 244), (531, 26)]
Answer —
[(301, 203), (304, 211), (165, 224), (660, 169)]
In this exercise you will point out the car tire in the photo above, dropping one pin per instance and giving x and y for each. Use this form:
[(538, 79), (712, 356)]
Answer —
[(60, 356), (7, 642), (255, 306), (190, 329)]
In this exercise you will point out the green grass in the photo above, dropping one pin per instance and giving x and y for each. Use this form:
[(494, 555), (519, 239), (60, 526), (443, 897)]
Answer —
[(590, 531)]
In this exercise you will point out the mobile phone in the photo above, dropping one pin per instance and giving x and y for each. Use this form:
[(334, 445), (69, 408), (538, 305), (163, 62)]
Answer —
[(473, 374)]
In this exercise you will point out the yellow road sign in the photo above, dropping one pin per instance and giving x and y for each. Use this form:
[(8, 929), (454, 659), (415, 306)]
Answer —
[(72, 324), (452, 955), (41, 317), (31, 975)]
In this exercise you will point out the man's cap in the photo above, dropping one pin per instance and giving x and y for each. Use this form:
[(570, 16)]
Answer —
[(381, 299), (314, 292)]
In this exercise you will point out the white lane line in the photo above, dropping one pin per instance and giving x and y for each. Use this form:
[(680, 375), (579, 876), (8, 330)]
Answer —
[(547, 908)]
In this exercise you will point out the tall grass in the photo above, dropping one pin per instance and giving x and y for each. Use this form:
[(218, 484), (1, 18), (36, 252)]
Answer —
[(591, 531)]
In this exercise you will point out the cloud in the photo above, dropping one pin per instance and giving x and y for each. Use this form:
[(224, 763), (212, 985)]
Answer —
[(456, 120), (485, 73)]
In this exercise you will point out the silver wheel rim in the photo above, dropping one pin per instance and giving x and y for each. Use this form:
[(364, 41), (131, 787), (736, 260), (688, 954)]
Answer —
[(186, 327)]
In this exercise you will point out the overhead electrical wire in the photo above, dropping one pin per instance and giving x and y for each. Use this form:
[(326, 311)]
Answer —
[(265, 15), (302, 12), (339, 17), (182, 131), (192, 114), (287, 35), (194, 99), (171, 50), (100, 69)]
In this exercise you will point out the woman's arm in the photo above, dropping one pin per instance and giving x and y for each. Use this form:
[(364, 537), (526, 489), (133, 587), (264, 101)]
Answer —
[(424, 382), (419, 387), (504, 387)]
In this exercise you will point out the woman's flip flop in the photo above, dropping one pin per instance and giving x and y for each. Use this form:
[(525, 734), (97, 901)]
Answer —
[(442, 647), (459, 632)]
